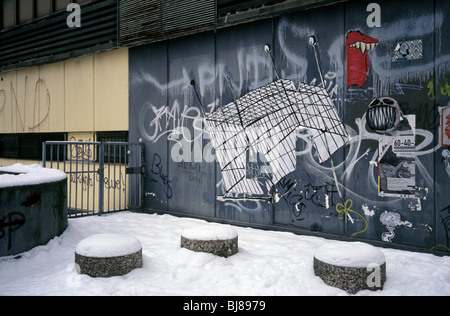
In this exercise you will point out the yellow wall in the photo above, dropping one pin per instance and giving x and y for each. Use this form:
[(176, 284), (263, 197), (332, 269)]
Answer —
[(80, 96), (86, 94)]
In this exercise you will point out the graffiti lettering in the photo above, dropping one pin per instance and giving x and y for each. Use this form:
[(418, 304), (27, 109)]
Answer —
[(81, 151), (437, 89), (88, 181), (171, 118), (22, 109), (322, 196), (11, 221), (157, 170), (194, 171), (355, 93)]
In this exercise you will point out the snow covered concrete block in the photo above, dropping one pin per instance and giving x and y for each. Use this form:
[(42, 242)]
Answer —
[(33, 207), (351, 266), (218, 240), (107, 255)]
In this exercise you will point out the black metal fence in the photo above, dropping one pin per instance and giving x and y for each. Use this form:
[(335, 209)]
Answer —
[(101, 176)]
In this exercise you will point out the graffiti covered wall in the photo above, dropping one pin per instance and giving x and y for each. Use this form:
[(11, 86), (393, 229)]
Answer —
[(384, 67)]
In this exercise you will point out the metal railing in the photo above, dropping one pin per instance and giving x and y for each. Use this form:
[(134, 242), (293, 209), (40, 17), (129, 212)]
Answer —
[(101, 176)]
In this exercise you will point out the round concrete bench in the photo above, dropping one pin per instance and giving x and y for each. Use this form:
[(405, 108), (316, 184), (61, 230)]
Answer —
[(107, 255), (351, 266), (219, 240)]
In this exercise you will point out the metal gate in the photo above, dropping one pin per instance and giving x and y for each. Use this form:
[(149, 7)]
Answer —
[(102, 177)]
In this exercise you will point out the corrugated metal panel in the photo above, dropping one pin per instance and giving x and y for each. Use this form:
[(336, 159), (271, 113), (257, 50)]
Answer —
[(139, 20), (155, 20), (237, 11), (50, 39)]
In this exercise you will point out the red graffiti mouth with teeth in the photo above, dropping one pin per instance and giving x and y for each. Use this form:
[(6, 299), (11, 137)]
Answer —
[(358, 62)]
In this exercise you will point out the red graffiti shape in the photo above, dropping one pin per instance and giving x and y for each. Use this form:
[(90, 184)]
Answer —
[(357, 46), (2, 104), (447, 126)]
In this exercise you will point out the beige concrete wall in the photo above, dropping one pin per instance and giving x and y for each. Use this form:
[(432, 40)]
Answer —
[(80, 96), (85, 94)]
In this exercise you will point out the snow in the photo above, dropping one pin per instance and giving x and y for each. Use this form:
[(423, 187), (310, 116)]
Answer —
[(108, 245), (210, 232), (350, 254), (29, 175), (268, 263)]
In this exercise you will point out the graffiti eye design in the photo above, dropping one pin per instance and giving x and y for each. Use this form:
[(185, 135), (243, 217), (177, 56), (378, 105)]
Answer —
[(389, 101), (375, 102)]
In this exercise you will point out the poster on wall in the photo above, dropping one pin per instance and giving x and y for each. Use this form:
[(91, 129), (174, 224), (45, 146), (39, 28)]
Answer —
[(397, 163), (445, 126)]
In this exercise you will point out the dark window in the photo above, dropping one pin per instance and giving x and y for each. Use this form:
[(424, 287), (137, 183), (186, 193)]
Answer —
[(114, 153), (112, 137), (10, 146), (27, 145)]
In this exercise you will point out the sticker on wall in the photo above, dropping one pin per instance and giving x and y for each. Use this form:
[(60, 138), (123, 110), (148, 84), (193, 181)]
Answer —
[(383, 115), (397, 163), (409, 50), (445, 126), (357, 47)]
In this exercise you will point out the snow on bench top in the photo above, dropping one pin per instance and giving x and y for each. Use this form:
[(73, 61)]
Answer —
[(108, 245), (20, 175), (350, 254), (210, 232)]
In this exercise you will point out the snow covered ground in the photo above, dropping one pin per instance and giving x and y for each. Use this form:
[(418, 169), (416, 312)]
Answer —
[(268, 264)]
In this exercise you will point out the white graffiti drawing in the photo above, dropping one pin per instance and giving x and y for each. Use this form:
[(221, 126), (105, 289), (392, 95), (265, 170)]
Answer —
[(265, 121), (391, 220)]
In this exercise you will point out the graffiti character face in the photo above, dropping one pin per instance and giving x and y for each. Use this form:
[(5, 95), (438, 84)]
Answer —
[(357, 46), (383, 114)]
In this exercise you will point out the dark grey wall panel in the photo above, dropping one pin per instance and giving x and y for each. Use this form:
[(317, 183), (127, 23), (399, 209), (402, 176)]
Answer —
[(192, 177), (241, 58), (310, 194), (403, 220), (439, 90), (408, 61), (148, 119)]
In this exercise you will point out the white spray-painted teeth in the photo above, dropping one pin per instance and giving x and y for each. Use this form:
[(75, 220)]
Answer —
[(363, 47)]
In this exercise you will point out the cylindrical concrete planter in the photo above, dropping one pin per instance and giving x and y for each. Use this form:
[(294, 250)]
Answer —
[(352, 266), (33, 207), (218, 240), (107, 255)]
